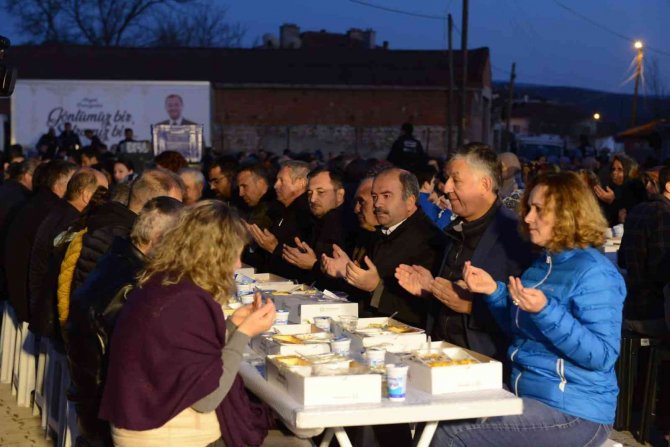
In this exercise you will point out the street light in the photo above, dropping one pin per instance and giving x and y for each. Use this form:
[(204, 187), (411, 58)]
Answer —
[(638, 73), (596, 116)]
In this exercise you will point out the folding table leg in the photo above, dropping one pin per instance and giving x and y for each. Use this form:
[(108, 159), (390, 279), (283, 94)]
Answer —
[(426, 434), (327, 437), (342, 437)]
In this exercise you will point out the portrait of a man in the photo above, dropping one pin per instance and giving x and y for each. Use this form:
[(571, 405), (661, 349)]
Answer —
[(174, 106)]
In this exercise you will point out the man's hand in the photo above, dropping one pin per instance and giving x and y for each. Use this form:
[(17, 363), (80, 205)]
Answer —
[(337, 265), (453, 295), (360, 278), (302, 255), (416, 279), (606, 194), (266, 240), (478, 280)]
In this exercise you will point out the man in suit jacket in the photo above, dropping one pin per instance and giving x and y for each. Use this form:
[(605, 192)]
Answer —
[(405, 236), (174, 105), (484, 233)]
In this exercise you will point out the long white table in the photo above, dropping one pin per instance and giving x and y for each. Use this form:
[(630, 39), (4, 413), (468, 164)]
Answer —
[(418, 407)]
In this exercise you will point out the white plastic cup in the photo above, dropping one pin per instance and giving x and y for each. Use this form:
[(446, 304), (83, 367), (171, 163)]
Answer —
[(322, 323), (341, 346), (247, 299), (396, 381), (348, 323), (281, 316), (617, 230), (375, 357)]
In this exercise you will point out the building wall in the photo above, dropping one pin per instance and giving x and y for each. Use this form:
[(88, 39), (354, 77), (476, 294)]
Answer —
[(363, 121)]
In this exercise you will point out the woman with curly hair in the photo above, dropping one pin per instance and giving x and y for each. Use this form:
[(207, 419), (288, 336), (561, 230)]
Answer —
[(172, 378), (623, 191), (564, 318)]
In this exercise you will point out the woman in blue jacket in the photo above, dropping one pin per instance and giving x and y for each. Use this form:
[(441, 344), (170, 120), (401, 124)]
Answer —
[(564, 317)]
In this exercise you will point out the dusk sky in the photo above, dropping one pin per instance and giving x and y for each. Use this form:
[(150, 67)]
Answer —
[(550, 44)]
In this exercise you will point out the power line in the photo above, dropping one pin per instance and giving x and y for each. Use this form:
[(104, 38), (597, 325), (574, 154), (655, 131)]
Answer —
[(605, 28), (398, 11)]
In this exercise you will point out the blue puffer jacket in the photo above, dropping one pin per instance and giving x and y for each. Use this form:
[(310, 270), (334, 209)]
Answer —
[(564, 355)]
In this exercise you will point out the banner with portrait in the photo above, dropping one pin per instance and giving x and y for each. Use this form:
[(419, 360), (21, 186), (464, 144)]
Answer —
[(107, 108)]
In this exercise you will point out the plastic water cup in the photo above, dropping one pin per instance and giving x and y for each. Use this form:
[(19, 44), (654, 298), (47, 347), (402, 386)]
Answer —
[(617, 230), (322, 323), (281, 316), (341, 345), (396, 381), (247, 299), (375, 357), (349, 323)]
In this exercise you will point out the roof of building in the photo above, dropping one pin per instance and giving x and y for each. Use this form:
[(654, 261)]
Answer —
[(644, 130), (308, 66)]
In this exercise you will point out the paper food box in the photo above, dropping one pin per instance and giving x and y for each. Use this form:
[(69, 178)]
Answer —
[(245, 270), (383, 332), (293, 339), (303, 309), (263, 281), (447, 368), (340, 381)]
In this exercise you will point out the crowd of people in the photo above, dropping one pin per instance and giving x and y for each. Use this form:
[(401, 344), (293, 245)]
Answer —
[(128, 269)]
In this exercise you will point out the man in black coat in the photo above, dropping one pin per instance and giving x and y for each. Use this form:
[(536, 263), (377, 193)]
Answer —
[(405, 236), (94, 308), (115, 219), (294, 220), (14, 193), (41, 293), (23, 229), (485, 233), (331, 225), (407, 152)]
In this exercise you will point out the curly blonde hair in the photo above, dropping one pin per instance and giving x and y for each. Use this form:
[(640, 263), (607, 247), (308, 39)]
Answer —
[(579, 221), (203, 246)]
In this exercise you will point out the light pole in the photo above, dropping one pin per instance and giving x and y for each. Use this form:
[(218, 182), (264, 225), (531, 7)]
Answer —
[(638, 73)]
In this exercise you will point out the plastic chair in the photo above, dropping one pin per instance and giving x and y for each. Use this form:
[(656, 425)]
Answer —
[(56, 382), (23, 374), (7, 343), (40, 402)]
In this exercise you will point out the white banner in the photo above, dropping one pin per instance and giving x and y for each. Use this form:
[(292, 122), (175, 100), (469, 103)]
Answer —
[(106, 107)]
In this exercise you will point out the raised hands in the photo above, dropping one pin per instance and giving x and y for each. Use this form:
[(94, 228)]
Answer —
[(337, 265), (416, 279), (302, 255), (255, 318), (454, 295), (361, 278), (266, 240), (477, 280), (604, 194), (530, 300)]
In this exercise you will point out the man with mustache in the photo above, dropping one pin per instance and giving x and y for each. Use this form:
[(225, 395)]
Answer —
[(405, 235)]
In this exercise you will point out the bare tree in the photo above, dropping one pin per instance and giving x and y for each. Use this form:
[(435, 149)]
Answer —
[(125, 22), (204, 25)]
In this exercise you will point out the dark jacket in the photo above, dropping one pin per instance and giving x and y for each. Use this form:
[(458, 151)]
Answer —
[(19, 246), (407, 152), (89, 327), (417, 241), (337, 226), (111, 220), (264, 214), (294, 221), (626, 196), (41, 288), (13, 195), (645, 254), (502, 253)]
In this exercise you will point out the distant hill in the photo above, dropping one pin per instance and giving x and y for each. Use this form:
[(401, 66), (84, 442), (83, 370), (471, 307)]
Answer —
[(613, 107)]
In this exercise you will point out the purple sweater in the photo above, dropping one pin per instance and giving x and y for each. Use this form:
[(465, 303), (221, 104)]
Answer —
[(166, 355)]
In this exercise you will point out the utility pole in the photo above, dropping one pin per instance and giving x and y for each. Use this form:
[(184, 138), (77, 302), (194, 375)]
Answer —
[(638, 73), (450, 92), (508, 112), (464, 81)]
